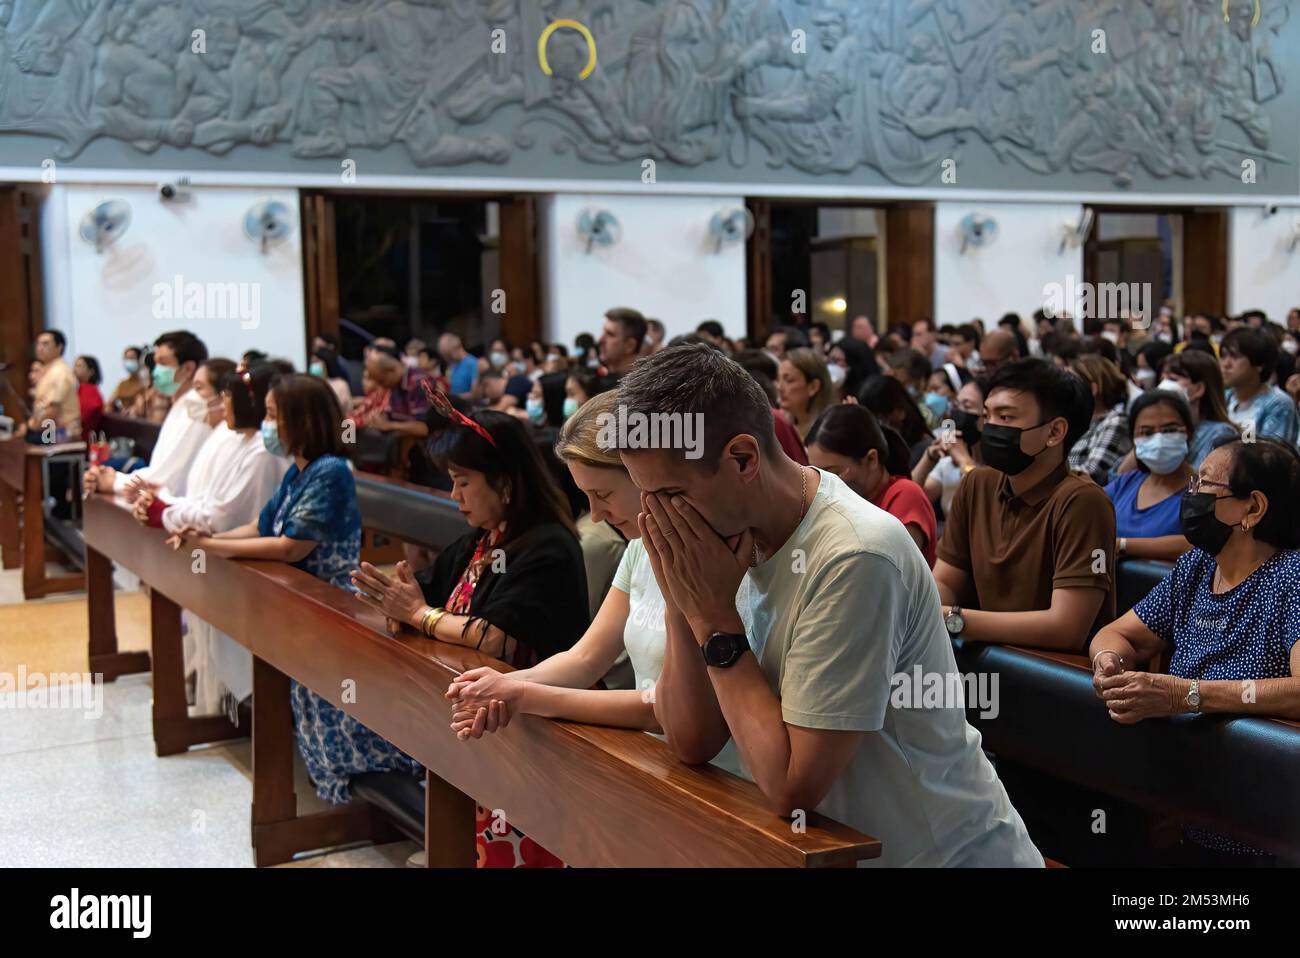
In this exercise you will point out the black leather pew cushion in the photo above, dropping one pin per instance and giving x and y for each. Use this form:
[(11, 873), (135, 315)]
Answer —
[(1235, 775), (403, 513)]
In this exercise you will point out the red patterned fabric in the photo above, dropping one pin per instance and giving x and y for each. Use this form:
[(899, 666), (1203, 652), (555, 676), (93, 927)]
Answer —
[(501, 845)]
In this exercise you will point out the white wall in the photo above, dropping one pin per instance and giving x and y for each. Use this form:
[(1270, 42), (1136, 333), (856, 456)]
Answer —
[(665, 265), (1009, 274), (1261, 273), (105, 301)]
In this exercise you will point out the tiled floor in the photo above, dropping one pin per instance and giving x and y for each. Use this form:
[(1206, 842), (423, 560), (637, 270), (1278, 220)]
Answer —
[(80, 790)]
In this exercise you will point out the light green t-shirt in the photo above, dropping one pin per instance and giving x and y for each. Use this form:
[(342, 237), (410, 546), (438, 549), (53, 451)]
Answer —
[(842, 612), (644, 635)]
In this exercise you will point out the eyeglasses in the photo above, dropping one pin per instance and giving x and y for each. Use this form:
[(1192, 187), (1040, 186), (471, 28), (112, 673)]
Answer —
[(438, 399), (1196, 484)]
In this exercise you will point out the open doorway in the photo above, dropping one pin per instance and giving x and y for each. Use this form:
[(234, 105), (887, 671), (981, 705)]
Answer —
[(409, 268), (815, 262), (412, 266), (823, 265), (1179, 255)]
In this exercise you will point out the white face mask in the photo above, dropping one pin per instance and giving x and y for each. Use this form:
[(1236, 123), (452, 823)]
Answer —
[(200, 408), (1290, 346), (837, 373), (1110, 337), (1173, 387), (1146, 377)]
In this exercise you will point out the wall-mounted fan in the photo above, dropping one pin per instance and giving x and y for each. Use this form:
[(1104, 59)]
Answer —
[(105, 224), (598, 228), (977, 229), (268, 222), (1074, 233), (1293, 239), (731, 226)]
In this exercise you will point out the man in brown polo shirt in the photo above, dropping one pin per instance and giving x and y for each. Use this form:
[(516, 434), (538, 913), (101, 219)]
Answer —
[(1028, 545)]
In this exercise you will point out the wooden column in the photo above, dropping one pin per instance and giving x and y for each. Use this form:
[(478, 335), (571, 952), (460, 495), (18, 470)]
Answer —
[(21, 307), (1205, 261), (320, 265), (909, 264), (758, 273), (517, 228)]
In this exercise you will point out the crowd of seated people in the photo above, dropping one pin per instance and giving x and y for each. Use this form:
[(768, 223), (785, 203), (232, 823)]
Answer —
[(943, 483)]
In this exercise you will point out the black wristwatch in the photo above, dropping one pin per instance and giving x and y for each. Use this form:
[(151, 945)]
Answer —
[(722, 650)]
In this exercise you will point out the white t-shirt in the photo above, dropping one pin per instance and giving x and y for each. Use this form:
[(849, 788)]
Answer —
[(860, 611), (183, 433), (644, 635)]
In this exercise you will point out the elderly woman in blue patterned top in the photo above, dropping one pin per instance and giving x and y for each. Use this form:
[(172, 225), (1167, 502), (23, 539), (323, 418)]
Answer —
[(1230, 608), (1229, 612)]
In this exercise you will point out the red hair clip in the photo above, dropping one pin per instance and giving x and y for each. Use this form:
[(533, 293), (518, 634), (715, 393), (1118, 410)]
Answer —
[(444, 407)]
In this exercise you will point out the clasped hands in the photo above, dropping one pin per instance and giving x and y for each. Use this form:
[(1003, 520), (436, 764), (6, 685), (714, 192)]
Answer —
[(1132, 696), (398, 597)]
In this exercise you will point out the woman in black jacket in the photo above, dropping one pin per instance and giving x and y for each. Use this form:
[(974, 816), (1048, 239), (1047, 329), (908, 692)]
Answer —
[(513, 587)]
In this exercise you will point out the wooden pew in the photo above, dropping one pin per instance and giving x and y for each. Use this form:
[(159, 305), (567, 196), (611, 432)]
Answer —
[(20, 477), (593, 796)]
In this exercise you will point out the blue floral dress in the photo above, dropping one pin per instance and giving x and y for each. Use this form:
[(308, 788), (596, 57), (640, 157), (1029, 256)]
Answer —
[(319, 503)]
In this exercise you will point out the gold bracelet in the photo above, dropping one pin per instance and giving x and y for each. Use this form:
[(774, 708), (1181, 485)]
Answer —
[(430, 621)]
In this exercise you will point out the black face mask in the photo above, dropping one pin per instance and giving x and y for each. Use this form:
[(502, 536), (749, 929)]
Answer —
[(1201, 526), (1002, 448), (968, 424)]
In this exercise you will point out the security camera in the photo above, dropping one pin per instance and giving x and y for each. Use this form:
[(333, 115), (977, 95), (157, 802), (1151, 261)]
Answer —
[(178, 192), (1271, 209)]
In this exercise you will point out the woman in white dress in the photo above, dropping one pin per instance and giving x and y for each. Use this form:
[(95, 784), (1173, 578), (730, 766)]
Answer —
[(233, 476)]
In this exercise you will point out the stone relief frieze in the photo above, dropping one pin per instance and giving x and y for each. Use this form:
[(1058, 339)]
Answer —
[(1135, 92)]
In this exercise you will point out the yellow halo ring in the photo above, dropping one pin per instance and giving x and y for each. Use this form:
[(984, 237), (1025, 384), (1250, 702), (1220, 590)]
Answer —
[(572, 25), (1254, 21)]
